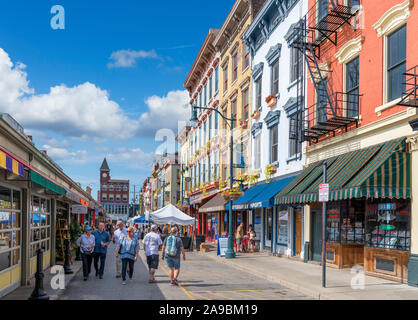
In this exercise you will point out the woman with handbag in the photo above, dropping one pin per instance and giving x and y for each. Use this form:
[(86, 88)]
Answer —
[(86, 242), (128, 250)]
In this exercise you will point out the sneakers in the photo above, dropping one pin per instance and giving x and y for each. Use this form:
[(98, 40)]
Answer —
[(172, 282), (97, 273), (130, 279), (123, 282), (176, 282), (118, 276), (100, 277), (85, 278)]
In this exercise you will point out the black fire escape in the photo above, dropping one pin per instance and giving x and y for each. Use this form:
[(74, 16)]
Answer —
[(332, 110), (410, 88)]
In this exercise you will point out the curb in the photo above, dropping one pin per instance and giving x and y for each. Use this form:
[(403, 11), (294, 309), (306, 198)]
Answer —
[(291, 285)]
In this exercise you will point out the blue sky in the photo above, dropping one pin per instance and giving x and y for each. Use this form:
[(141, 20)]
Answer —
[(106, 83)]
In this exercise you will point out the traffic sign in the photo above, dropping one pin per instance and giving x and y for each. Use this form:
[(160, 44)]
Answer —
[(324, 192)]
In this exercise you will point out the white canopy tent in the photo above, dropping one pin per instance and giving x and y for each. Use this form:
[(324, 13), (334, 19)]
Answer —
[(171, 215)]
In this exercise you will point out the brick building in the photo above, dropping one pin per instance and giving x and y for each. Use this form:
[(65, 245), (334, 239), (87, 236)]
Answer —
[(114, 194)]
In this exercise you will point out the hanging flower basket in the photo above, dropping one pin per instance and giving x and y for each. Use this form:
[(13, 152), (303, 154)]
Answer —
[(271, 101), (256, 114), (243, 124)]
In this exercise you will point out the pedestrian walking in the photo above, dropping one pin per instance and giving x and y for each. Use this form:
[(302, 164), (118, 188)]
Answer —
[(102, 239), (152, 243), (239, 235), (86, 242), (128, 252), (109, 229), (118, 235), (171, 250)]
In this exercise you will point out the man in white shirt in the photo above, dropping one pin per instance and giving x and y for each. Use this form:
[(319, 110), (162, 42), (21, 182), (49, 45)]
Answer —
[(152, 243), (117, 237)]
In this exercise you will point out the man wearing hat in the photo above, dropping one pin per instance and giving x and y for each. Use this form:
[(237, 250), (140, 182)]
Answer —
[(152, 243)]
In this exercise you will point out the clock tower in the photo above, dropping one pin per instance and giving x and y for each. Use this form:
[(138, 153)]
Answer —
[(104, 173)]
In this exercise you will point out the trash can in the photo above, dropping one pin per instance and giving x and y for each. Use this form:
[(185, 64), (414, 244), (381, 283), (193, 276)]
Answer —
[(199, 240), (186, 242)]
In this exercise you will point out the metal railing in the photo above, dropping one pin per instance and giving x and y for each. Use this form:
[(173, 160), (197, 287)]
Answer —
[(410, 91)]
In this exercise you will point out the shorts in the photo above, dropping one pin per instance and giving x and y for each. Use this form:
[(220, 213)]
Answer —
[(173, 262), (152, 261)]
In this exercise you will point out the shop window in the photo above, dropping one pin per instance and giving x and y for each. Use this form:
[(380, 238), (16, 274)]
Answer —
[(345, 222), (216, 79), (388, 225), (268, 225)]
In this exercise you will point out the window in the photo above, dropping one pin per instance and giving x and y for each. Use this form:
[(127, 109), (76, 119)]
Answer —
[(216, 79), (295, 147), (245, 105), (10, 226), (200, 99), (216, 123), (352, 87), (224, 165), (111, 188), (204, 132), (322, 101), (296, 64), (40, 219), (104, 187), (246, 57), (125, 188), (205, 96), (275, 78), (258, 88), (235, 67), (396, 63), (209, 169), (234, 113), (118, 197), (104, 196), (226, 78), (225, 122), (215, 166), (269, 224), (210, 87), (210, 126), (111, 197), (199, 174), (352, 3), (257, 151), (204, 172), (118, 188), (274, 145)]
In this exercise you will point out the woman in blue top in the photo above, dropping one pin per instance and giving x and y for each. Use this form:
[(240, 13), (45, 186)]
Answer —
[(128, 248)]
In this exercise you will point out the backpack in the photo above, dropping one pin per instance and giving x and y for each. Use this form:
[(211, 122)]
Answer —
[(171, 247)]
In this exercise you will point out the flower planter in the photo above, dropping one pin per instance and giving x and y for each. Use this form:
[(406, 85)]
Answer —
[(256, 114), (243, 124), (271, 101)]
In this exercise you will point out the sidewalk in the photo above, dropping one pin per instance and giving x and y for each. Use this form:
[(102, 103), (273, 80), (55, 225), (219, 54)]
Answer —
[(307, 278), (23, 293)]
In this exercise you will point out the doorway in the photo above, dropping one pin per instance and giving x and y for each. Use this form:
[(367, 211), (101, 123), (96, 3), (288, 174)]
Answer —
[(297, 218), (316, 236)]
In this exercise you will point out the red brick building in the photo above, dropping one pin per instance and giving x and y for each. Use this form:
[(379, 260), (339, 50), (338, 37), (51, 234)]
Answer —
[(114, 194)]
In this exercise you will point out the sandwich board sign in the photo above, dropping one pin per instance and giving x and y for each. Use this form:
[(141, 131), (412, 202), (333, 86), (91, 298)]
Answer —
[(222, 246)]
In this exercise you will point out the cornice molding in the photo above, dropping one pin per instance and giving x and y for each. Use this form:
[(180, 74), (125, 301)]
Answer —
[(257, 70), (393, 18), (350, 50), (274, 53), (272, 118)]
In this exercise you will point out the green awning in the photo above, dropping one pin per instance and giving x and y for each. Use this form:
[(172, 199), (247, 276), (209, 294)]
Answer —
[(378, 171), (387, 175), (44, 182)]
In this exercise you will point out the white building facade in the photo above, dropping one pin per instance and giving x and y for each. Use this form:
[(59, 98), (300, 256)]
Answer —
[(278, 92)]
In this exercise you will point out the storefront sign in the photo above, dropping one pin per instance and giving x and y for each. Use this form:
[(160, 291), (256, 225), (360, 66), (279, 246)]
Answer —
[(324, 192), (387, 206), (78, 209), (283, 229), (222, 246)]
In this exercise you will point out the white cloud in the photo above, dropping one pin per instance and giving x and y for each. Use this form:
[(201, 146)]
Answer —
[(128, 58), (132, 157), (84, 111), (165, 112)]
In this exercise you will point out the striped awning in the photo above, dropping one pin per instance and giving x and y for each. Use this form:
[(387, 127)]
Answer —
[(378, 171), (387, 175), (11, 164)]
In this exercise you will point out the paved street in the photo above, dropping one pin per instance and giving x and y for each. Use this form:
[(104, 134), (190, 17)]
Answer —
[(201, 278)]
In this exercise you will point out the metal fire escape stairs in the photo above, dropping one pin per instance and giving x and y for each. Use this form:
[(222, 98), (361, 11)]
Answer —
[(311, 32)]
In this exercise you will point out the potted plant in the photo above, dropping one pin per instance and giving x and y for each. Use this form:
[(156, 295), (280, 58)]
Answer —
[(254, 177), (256, 114), (243, 124), (270, 170), (271, 100)]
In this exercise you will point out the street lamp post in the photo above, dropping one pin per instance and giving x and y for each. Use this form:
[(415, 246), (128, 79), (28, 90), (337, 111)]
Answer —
[(230, 253)]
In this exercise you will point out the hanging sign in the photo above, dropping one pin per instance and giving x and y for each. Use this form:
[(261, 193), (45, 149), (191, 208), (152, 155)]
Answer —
[(324, 192), (79, 209)]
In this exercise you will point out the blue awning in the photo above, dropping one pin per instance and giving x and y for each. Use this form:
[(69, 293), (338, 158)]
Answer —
[(141, 220), (266, 198), (242, 202)]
